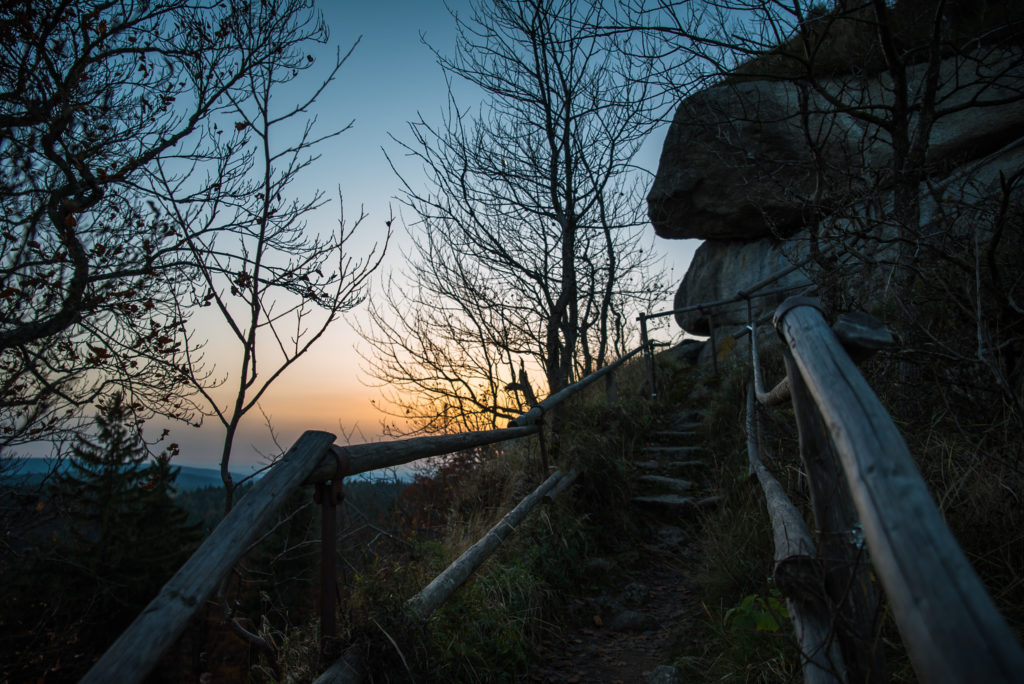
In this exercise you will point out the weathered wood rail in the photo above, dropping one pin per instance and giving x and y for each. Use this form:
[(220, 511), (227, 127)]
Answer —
[(868, 499), (315, 460), (862, 481), (947, 620)]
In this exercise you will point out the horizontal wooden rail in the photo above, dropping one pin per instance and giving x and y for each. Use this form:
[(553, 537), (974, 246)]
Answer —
[(159, 625), (445, 584), (536, 414), (362, 458), (951, 628), (752, 291)]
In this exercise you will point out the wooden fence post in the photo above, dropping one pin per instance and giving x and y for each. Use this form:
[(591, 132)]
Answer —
[(853, 599), (329, 495), (711, 340), (949, 623), (137, 650), (611, 393), (648, 354)]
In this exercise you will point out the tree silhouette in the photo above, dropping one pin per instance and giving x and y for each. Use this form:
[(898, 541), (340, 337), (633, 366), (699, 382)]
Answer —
[(527, 243), (96, 97), (119, 536), (127, 534)]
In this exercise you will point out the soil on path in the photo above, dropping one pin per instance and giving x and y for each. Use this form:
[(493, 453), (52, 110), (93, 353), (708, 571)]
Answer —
[(625, 626)]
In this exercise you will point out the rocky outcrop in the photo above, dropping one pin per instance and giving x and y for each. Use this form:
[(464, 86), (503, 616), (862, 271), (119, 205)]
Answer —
[(735, 163), (720, 269), (737, 171)]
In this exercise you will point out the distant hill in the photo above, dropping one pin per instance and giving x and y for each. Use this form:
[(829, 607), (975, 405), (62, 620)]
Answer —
[(192, 477), (29, 471)]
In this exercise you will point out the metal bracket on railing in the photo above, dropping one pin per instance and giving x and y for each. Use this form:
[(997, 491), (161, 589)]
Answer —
[(862, 335), (330, 495)]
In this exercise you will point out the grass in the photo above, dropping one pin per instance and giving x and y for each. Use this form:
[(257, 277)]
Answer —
[(737, 629), (488, 630)]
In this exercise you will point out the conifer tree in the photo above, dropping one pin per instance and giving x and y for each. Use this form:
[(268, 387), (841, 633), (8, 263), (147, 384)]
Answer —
[(104, 484), (126, 534)]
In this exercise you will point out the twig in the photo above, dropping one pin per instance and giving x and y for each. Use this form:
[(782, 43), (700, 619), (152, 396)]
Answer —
[(397, 650)]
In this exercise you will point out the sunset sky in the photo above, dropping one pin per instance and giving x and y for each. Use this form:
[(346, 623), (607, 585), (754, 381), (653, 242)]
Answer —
[(388, 80)]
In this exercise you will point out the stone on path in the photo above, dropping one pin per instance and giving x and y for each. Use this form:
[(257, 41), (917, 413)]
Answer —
[(632, 621), (663, 674)]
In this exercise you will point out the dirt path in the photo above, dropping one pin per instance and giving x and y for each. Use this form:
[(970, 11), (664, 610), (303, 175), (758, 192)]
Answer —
[(625, 626), (625, 635)]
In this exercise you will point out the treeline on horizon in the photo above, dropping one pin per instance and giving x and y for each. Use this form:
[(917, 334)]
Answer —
[(99, 539)]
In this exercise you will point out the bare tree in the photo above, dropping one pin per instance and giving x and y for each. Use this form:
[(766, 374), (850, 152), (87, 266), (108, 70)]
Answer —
[(526, 242), (275, 283), (93, 95)]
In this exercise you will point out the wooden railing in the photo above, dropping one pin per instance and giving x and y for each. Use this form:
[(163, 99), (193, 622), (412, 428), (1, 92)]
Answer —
[(314, 460), (868, 500), (948, 622), (867, 497)]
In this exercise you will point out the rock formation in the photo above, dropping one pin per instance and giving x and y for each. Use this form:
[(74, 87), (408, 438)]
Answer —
[(737, 170)]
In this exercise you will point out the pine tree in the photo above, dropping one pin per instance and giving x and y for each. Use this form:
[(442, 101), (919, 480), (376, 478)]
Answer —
[(104, 485), (126, 535), (163, 522)]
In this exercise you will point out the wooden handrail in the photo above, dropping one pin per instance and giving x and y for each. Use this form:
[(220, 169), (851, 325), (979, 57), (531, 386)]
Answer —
[(536, 414), (313, 459), (362, 458), (951, 627), (444, 585), (159, 625)]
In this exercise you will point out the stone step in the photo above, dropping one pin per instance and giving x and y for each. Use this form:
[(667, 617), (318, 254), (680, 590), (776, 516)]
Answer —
[(664, 451), (672, 483), (690, 417), (675, 434), (676, 502), (665, 500), (668, 466)]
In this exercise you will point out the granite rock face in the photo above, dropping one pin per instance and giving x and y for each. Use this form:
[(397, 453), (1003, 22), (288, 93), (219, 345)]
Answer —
[(735, 164), (721, 268), (737, 170)]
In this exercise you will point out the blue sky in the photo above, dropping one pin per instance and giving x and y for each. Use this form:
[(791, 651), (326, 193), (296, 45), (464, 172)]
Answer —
[(390, 78)]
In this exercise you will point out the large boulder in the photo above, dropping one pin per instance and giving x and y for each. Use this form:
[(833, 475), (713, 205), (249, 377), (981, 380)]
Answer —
[(736, 170), (737, 165), (964, 203), (720, 269)]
